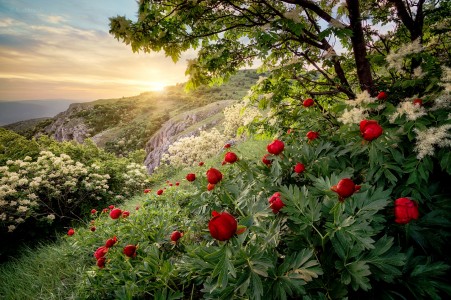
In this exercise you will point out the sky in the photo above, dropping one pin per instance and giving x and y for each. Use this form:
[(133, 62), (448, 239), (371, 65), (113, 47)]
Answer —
[(54, 49)]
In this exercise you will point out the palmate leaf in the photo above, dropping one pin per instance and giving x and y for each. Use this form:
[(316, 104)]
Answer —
[(355, 273), (385, 260)]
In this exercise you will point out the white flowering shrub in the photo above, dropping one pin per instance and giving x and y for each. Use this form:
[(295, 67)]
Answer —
[(189, 151), (238, 115), (57, 187)]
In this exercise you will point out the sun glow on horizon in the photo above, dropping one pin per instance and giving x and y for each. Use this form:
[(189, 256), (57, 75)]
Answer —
[(158, 86)]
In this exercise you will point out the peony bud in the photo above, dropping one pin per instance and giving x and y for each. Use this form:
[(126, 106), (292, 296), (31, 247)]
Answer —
[(226, 146), (93, 228), (382, 96), (191, 177), (130, 250), (101, 262), (201, 164), (312, 135), (275, 203), (265, 160), (111, 206), (110, 242), (370, 129), (308, 102), (125, 214), (71, 232), (222, 226), (210, 186), (276, 147), (115, 213), (345, 188), (299, 168), (177, 183), (93, 211), (146, 191), (176, 235), (100, 252), (159, 192), (230, 157), (418, 102), (405, 210), (214, 176)]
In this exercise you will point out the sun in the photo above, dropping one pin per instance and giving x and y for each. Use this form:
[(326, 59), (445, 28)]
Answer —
[(157, 86)]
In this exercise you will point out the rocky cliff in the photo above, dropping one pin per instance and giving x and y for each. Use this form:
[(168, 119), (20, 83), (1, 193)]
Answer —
[(183, 125)]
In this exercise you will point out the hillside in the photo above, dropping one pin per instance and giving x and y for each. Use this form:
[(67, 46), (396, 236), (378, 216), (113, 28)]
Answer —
[(126, 124)]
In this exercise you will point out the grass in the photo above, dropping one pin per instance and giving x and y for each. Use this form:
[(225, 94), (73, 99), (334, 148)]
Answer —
[(52, 271)]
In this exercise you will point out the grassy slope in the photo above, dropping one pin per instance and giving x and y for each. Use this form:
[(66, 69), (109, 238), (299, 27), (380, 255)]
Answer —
[(51, 271)]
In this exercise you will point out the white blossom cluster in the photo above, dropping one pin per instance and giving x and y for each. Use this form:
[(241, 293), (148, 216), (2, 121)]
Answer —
[(395, 59), (32, 189), (426, 140), (238, 115), (136, 178), (189, 151), (410, 110), (358, 110)]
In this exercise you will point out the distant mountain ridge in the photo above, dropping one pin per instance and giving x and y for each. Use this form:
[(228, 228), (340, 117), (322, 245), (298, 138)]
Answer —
[(21, 110)]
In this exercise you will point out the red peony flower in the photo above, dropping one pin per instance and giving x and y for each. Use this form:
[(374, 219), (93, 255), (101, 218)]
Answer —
[(275, 202), (159, 192), (230, 157), (100, 252), (382, 96), (146, 191), (312, 135), (115, 213), (265, 160), (276, 147), (210, 186), (93, 228), (125, 214), (170, 184), (191, 177), (130, 250), (111, 206), (418, 102), (176, 235), (110, 242), (345, 188), (71, 232), (93, 211), (214, 176), (201, 164), (105, 210), (299, 168), (370, 129), (226, 146), (137, 207), (177, 183), (308, 102), (222, 226), (405, 210), (101, 262)]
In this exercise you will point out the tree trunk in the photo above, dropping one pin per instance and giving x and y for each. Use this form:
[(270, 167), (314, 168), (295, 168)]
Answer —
[(359, 47)]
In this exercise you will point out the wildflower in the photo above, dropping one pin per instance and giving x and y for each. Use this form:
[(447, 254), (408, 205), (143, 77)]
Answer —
[(130, 250), (210, 186), (226, 146), (265, 160), (191, 177), (345, 188), (110, 242), (146, 191), (111, 206), (410, 110), (115, 213), (93, 228), (299, 168), (93, 211), (312, 135), (405, 210), (418, 102), (177, 183), (176, 235), (101, 262), (308, 102), (71, 232), (370, 129), (201, 164), (230, 157), (100, 252), (382, 96), (353, 116), (222, 226), (125, 214), (426, 140), (275, 203), (276, 147), (214, 176), (159, 192)]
